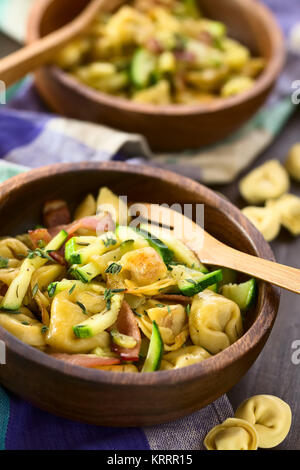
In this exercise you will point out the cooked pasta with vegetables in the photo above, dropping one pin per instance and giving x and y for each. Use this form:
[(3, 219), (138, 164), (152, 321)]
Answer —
[(161, 52), (114, 297)]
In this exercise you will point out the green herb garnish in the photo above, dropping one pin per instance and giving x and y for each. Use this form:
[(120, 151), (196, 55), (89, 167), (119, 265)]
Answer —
[(82, 307), (3, 262), (44, 329), (35, 289), (52, 289), (72, 289), (113, 268)]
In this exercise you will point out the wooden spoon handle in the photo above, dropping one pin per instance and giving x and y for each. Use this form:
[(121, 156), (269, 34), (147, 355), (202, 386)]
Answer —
[(18, 64), (269, 271)]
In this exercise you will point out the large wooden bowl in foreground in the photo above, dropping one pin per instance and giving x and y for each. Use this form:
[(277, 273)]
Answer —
[(174, 127), (118, 399)]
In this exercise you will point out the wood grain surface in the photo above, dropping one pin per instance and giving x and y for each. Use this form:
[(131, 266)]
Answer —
[(274, 372)]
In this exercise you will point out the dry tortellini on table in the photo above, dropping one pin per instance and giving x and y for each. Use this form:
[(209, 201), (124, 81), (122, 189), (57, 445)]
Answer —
[(292, 162), (270, 416), (269, 184), (266, 220), (233, 434), (260, 421), (268, 181)]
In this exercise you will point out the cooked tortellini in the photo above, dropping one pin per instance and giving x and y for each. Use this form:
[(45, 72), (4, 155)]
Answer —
[(160, 53), (65, 314), (25, 327), (183, 357), (269, 415), (172, 322), (144, 265), (268, 181), (265, 219), (86, 208), (292, 162), (232, 434), (288, 209), (215, 322), (96, 291)]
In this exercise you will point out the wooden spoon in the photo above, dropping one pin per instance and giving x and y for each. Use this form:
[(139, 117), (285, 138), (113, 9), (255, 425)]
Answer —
[(15, 66), (212, 251)]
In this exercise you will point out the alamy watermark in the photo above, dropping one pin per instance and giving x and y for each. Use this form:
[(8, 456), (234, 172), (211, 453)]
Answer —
[(296, 352), (2, 92), (296, 94), (2, 353)]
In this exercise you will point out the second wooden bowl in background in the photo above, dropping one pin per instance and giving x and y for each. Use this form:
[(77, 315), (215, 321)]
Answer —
[(172, 127)]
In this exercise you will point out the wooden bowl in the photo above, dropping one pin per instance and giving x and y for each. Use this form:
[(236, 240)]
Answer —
[(172, 127), (117, 399)]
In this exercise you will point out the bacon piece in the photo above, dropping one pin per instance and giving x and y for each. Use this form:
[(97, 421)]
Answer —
[(97, 223), (174, 298), (127, 324), (86, 360), (56, 212), (3, 289), (58, 256), (39, 235)]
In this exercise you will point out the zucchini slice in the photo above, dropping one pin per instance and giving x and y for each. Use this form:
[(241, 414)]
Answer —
[(56, 287), (124, 341), (98, 264), (155, 351), (242, 294), (125, 234), (143, 67), (17, 290), (182, 253), (106, 242), (101, 321), (166, 254), (71, 251), (190, 282)]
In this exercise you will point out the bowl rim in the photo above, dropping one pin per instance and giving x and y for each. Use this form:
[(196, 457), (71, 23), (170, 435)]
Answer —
[(268, 295), (264, 81)]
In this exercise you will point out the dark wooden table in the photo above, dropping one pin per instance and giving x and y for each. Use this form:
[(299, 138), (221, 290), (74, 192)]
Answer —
[(273, 372)]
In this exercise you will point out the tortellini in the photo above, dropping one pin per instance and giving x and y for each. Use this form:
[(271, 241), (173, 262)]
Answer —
[(86, 208), (215, 322), (25, 327), (288, 209), (236, 85), (233, 434), (268, 181), (12, 248), (269, 415), (292, 163), (265, 219), (66, 313), (186, 356), (172, 322), (144, 265)]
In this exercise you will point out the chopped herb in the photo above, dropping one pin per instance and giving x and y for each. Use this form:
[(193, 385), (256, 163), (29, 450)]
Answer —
[(82, 307), (116, 291), (82, 244), (39, 252), (52, 289), (168, 308), (41, 243), (35, 289), (108, 296), (136, 313), (44, 329), (72, 289), (26, 323), (188, 309), (113, 268), (3, 262), (109, 241), (5, 310), (191, 281), (160, 305)]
